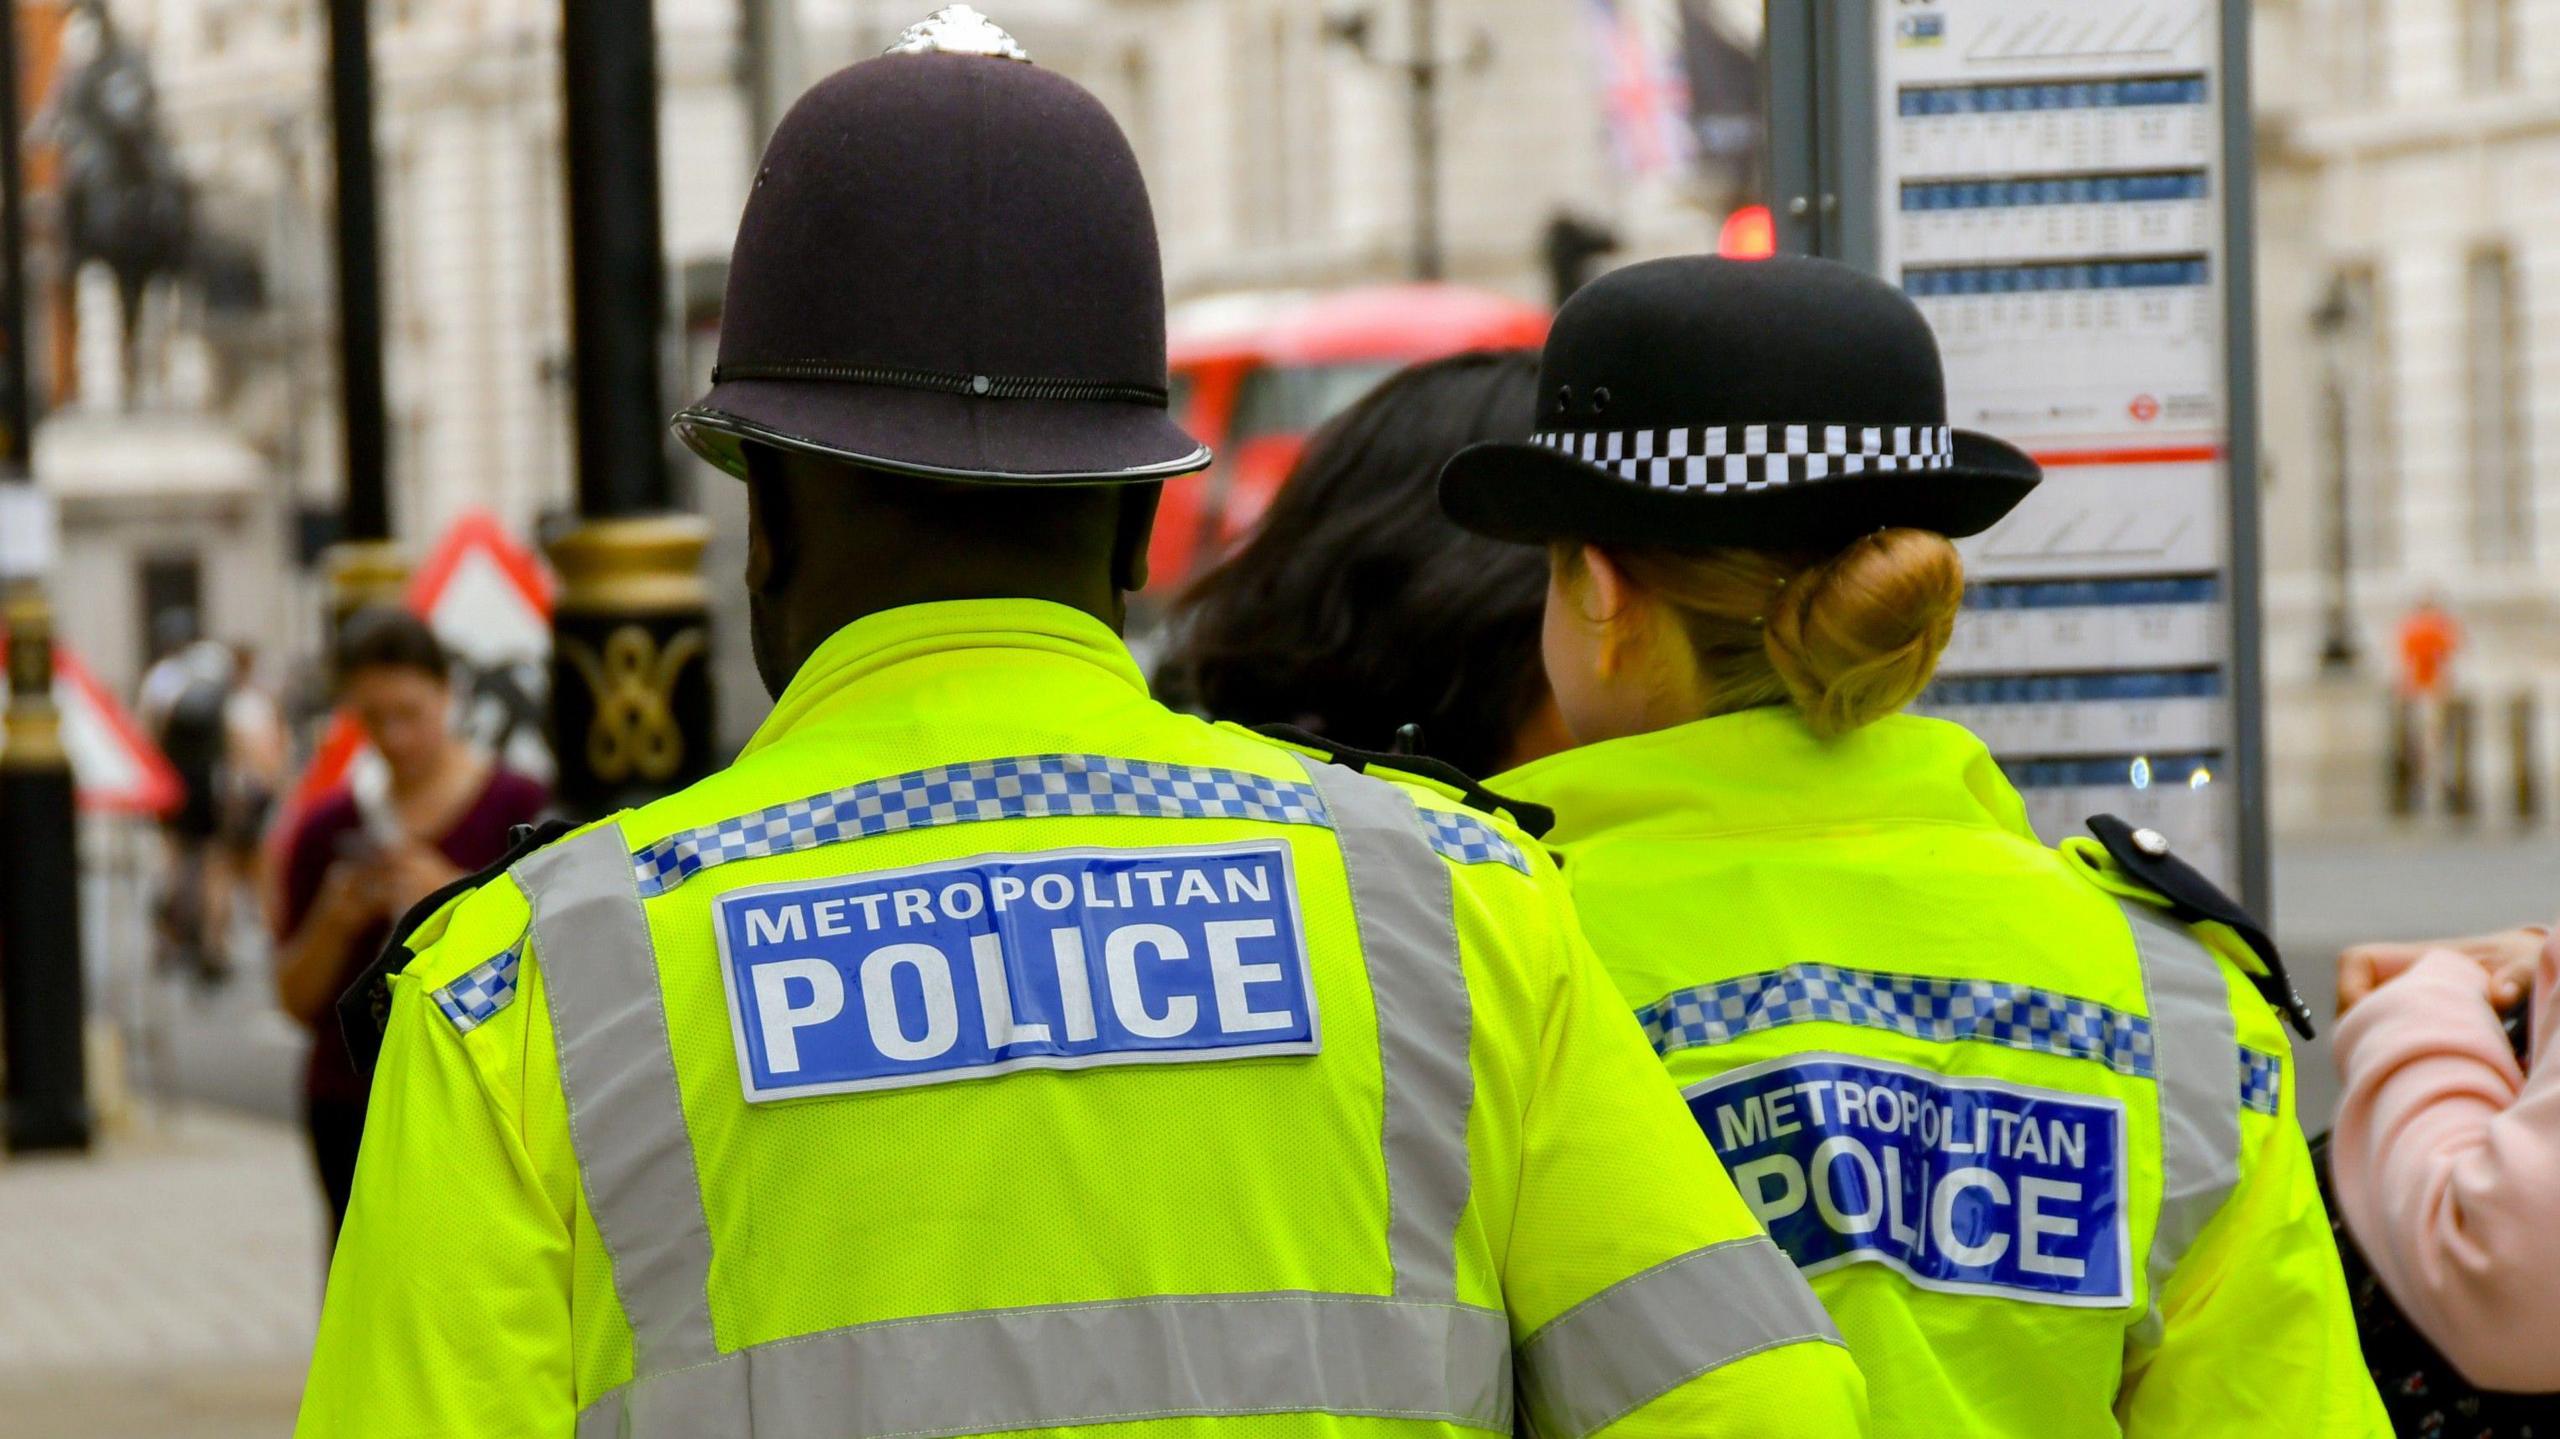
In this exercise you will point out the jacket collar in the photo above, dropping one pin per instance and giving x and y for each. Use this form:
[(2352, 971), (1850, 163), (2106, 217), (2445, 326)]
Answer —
[(879, 650), (1763, 770)]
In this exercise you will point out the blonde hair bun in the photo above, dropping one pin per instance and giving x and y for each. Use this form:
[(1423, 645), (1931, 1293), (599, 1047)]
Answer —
[(1856, 637)]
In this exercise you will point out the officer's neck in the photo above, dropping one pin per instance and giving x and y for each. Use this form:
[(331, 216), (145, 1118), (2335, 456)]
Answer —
[(816, 612)]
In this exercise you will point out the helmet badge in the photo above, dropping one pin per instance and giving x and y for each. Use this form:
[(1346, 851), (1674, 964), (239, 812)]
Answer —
[(958, 30)]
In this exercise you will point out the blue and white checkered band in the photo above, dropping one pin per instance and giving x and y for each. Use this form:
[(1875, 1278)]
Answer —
[(1721, 458), (1032, 787), (1943, 1010), (2261, 1081), (474, 998)]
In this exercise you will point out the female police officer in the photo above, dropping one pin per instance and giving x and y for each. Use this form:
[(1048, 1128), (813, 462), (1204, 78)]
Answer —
[(2030, 1136)]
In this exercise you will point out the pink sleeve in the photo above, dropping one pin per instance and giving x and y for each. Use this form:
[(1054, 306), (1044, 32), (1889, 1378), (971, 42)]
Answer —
[(2447, 1162)]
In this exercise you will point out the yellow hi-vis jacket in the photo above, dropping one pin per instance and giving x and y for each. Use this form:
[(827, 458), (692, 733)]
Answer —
[(991, 1050), (2030, 1138)]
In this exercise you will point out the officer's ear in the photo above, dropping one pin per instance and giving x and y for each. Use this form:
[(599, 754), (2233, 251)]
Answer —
[(773, 549), (1133, 527), (1604, 595)]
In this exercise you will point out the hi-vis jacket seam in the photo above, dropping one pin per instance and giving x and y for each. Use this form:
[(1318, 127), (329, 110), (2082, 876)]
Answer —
[(1934, 1010), (1053, 786), (1160, 1356)]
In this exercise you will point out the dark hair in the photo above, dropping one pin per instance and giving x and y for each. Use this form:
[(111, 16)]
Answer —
[(1356, 607), (384, 637)]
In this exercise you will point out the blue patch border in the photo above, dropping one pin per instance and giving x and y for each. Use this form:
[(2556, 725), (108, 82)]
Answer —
[(2124, 1176), (1287, 857)]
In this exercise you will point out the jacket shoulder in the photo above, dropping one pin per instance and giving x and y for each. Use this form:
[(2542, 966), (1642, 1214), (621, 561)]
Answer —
[(461, 909), (1435, 777), (2131, 862)]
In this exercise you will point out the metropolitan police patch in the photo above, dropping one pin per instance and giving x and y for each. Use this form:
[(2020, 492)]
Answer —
[(1971, 1186), (1067, 959)]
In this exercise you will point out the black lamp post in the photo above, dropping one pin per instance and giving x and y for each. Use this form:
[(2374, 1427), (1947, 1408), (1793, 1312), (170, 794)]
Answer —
[(630, 673), (43, 1010), (364, 566)]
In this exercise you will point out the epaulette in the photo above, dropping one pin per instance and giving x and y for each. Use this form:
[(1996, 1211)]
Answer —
[(1534, 819), (364, 1011), (2143, 854)]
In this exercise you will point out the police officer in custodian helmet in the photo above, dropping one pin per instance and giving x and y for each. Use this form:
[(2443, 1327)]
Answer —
[(2024, 1114), (990, 1049)]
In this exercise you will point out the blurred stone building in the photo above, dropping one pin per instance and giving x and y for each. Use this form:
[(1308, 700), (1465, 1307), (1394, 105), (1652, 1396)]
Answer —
[(2409, 273), (1275, 134), (1277, 141)]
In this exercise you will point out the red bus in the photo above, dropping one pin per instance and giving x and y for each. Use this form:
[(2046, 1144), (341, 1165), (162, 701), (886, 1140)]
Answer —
[(1255, 374)]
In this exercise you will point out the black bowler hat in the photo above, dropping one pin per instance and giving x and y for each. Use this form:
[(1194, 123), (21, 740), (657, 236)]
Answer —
[(947, 267), (1787, 403)]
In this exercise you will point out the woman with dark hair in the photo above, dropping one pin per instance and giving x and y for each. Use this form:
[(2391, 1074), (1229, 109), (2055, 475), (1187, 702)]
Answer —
[(361, 855), (1354, 575)]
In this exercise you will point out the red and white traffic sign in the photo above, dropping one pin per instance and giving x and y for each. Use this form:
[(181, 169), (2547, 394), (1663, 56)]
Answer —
[(115, 768), (488, 598)]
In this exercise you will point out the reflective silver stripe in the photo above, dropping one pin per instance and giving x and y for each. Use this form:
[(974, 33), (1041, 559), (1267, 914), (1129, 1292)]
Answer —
[(1006, 1369), (1644, 1337), (2195, 1051), (626, 1118), (1401, 895)]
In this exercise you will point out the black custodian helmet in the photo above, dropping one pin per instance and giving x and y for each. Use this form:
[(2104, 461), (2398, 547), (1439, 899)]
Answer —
[(948, 267)]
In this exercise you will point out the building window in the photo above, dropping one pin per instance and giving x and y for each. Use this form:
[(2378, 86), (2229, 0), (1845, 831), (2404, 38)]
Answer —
[(169, 585), (1281, 142), (2488, 43), (1138, 108), (1258, 43), (2362, 431), (2362, 35), (2500, 470)]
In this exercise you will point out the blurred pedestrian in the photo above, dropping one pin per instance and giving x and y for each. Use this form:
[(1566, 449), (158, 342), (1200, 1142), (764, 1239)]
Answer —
[(185, 703), (2028, 1134), (2446, 1154), (2429, 638), (1354, 572), (364, 853), (255, 757), (950, 1064)]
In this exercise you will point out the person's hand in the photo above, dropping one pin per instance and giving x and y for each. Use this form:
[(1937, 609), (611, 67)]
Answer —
[(411, 873), (349, 897), (2506, 958)]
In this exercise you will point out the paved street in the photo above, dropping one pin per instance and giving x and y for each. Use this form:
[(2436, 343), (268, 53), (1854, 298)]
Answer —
[(163, 1288), (2391, 887)]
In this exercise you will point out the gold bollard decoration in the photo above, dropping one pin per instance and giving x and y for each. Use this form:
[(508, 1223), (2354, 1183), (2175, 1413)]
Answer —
[(363, 573), (630, 679)]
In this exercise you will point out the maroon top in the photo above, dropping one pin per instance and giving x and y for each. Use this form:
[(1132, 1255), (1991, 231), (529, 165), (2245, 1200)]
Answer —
[(324, 835)]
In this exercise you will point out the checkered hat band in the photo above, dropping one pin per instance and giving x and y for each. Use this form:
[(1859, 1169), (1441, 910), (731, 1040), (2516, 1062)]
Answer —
[(1031, 787), (1943, 1010), (475, 998), (1720, 458)]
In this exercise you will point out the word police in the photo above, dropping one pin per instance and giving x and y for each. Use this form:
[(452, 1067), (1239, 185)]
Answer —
[(1963, 1185), (1061, 960)]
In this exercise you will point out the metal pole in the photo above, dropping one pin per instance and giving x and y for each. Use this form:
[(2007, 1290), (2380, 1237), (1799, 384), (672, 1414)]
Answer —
[(2240, 336), (1429, 261), (364, 566), (2338, 643), (368, 506), (617, 276), (43, 1011), (630, 682), (1789, 59)]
